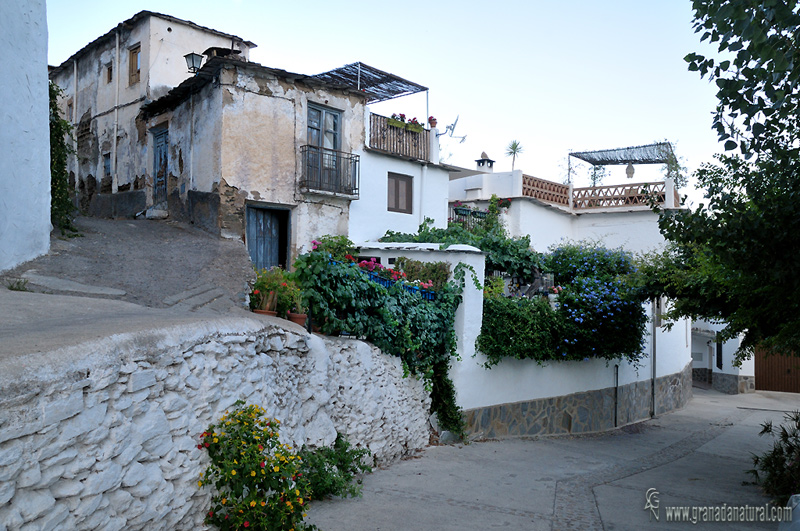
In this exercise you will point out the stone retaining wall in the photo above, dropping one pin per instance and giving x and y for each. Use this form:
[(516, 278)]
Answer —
[(733, 384), (586, 412), (104, 435)]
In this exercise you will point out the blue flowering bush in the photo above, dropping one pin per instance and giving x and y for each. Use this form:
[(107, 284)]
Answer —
[(599, 312)]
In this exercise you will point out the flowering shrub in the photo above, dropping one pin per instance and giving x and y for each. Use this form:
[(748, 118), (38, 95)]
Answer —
[(414, 121), (399, 117), (599, 314), (338, 247), (342, 299), (258, 481)]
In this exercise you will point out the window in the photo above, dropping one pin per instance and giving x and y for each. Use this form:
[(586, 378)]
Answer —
[(134, 64), (400, 196), (109, 72), (70, 112), (106, 164), (324, 127)]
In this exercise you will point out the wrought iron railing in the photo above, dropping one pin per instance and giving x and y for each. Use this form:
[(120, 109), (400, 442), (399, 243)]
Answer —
[(638, 194), (328, 170), (403, 141), (545, 190), (466, 217)]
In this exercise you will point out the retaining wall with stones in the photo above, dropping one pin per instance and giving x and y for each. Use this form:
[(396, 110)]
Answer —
[(104, 435), (585, 412), (733, 384)]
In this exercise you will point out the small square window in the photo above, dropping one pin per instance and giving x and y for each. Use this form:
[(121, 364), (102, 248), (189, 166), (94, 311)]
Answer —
[(134, 64), (400, 193)]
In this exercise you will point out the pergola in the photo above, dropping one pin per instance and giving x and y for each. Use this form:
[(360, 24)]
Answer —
[(656, 153), (376, 84)]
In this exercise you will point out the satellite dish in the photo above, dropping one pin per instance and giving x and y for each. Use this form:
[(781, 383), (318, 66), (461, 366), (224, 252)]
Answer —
[(450, 129)]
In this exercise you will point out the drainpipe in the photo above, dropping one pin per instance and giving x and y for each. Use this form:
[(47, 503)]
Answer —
[(74, 116), (114, 180), (191, 143), (616, 393), (653, 360), (422, 180)]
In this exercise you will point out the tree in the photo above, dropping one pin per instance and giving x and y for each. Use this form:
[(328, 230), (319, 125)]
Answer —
[(757, 82), (514, 149), (735, 258)]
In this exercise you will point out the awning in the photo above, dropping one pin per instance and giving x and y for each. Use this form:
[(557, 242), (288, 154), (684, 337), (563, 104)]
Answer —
[(658, 153), (376, 84)]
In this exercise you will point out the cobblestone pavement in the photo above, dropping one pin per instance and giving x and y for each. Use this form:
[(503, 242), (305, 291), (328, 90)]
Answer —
[(694, 457)]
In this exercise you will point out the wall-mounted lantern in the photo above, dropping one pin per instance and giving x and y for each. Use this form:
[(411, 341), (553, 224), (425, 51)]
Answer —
[(193, 61), (629, 171)]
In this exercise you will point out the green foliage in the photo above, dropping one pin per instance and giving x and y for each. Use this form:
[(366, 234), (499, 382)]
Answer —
[(513, 150), (436, 272), (331, 471), (512, 255), (20, 284), (756, 75), (730, 260), (493, 287), (274, 289), (342, 299), (338, 247), (599, 312), (443, 400), (258, 480), (61, 207), (777, 471)]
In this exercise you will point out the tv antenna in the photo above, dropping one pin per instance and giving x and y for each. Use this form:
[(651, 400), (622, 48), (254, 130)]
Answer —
[(450, 129)]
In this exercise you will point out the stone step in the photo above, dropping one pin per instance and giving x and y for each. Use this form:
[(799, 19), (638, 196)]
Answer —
[(183, 295), (200, 300)]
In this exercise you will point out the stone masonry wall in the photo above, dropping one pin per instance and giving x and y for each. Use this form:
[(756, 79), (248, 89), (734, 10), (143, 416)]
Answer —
[(585, 412), (104, 435)]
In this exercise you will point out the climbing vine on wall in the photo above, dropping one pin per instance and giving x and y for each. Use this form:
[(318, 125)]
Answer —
[(61, 207)]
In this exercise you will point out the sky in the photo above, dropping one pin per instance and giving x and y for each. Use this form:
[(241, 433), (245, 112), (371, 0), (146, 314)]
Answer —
[(572, 75)]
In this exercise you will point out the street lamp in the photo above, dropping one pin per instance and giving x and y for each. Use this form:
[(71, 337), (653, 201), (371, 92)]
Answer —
[(193, 61)]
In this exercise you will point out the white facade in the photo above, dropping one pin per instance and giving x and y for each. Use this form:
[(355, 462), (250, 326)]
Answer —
[(25, 135), (370, 216)]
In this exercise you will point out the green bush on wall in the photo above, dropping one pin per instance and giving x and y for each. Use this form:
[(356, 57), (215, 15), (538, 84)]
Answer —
[(599, 313)]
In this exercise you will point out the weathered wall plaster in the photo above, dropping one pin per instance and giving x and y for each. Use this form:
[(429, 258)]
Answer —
[(103, 435), (25, 135)]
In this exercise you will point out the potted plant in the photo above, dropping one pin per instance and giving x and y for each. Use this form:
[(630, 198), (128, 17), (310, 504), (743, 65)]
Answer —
[(398, 120), (480, 214), (432, 121), (300, 314), (460, 209), (271, 293), (414, 125)]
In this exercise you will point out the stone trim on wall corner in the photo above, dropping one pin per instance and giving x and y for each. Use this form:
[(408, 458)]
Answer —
[(585, 412)]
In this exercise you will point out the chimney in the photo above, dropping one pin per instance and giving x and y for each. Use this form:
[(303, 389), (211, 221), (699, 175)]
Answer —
[(485, 164)]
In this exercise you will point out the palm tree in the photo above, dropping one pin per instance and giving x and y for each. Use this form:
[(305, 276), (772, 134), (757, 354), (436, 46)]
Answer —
[(513, 149)]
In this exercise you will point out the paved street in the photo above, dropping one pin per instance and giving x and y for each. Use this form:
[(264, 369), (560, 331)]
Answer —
[(696, 457)]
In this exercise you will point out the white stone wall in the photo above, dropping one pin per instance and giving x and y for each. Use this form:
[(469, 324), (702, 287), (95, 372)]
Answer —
[(104, 435), (25, 135)]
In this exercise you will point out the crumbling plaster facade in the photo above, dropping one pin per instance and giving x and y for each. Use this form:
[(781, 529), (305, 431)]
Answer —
[(102, 99), (235, 141)]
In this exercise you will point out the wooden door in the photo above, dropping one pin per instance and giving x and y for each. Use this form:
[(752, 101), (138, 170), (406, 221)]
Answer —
[(267, 236), (777, 372)]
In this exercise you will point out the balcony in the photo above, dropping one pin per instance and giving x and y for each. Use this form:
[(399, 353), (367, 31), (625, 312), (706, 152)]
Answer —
[(414, 145), (639, 194), (329, 171)]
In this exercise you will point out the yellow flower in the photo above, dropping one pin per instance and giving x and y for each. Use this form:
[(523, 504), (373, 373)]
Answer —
[(233, 472), (253, 473), (275, 468), (296, 492), (199, 483), (215, 439), (224, 500), (262, 472), (263, 503), (253, 503)]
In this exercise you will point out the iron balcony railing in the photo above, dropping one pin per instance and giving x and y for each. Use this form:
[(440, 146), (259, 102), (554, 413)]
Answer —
[(328, 170), (400, 139)]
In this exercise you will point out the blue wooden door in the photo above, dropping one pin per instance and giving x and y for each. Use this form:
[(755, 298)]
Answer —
[(160, 167), (267, 236)]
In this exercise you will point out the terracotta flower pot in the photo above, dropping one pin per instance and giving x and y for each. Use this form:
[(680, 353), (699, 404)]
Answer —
[(299, 318), (266, 312)]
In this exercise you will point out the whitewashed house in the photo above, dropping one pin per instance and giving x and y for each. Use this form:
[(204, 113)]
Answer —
[(25, 135)]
